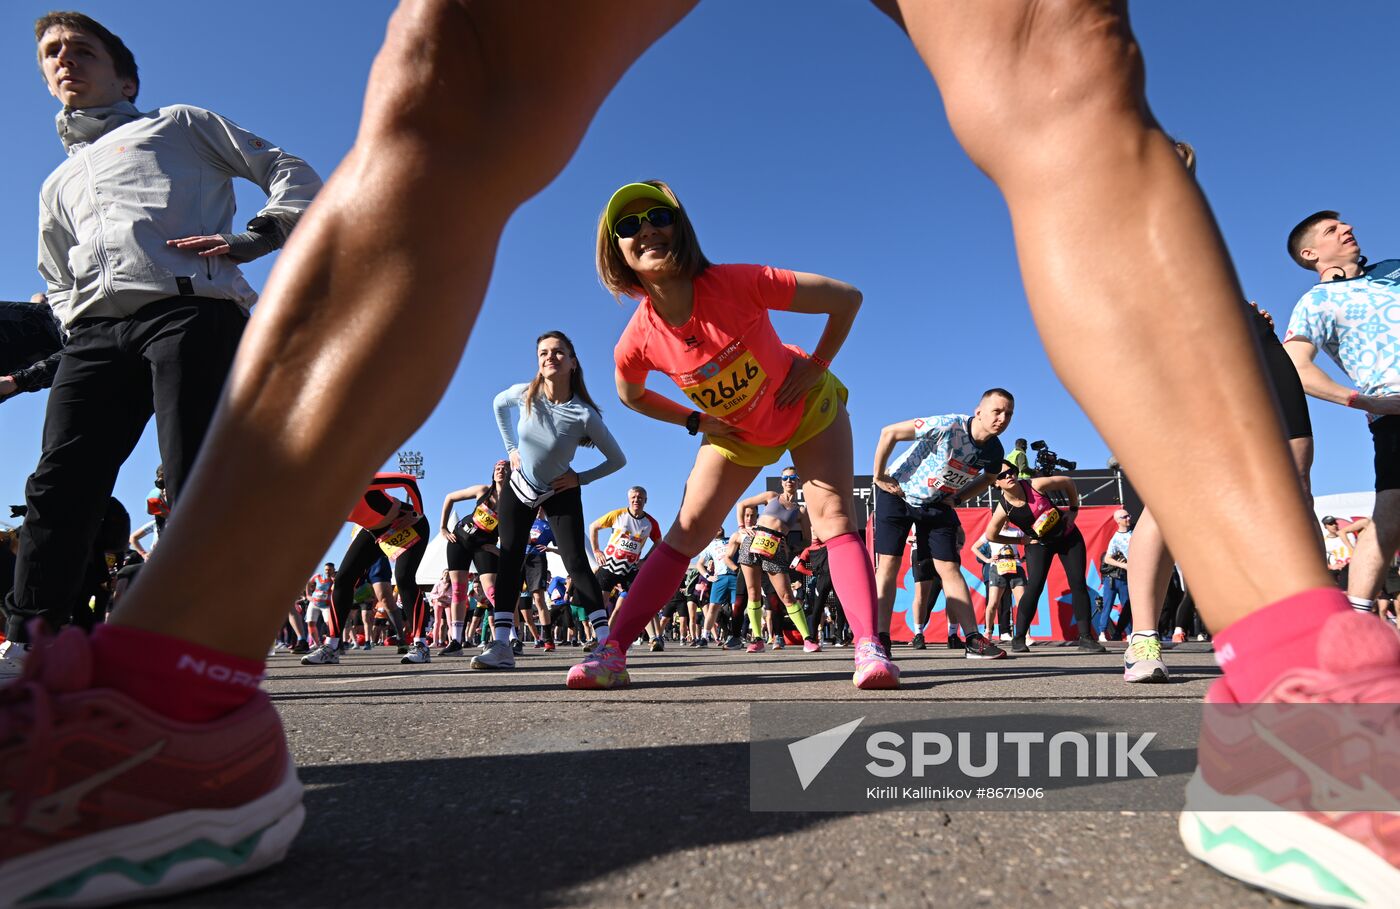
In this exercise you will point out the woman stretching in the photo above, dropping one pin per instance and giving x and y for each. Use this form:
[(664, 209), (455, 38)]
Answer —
[(472, 543), (399, 531), (779, 515), (555, 416), (707, 327), (1049, 532)]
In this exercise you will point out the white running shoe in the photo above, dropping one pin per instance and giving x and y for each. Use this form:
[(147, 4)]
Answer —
[(498, 655), (1005, 638), (1142, 661), (324, 653), (418, 653)]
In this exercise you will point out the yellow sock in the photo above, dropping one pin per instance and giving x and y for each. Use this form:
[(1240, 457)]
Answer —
[(795, 613), (755, 612)]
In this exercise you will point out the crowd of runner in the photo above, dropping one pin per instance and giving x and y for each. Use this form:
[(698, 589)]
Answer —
[(139, 256)]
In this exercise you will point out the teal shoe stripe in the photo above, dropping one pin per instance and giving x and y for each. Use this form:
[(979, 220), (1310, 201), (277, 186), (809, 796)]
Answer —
[(1265, 859), (152, 870)]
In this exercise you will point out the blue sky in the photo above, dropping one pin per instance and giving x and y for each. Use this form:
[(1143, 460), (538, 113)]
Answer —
[(801, 134)]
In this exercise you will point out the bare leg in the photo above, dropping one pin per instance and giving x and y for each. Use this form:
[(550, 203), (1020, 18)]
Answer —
[(1047, 98), (1375, 547), (1151, 572), (959, 605), (462, 124)]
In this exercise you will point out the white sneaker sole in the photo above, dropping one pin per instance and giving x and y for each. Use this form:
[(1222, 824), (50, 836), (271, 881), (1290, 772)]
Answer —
[(1285, 852), (198, 848)]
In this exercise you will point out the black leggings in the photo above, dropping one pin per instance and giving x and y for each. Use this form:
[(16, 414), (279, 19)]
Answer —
[(1070, 548), (565, 513), (822, 594), (363, 551)]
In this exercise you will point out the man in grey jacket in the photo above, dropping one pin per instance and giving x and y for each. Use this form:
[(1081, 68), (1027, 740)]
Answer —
[(137, 248)]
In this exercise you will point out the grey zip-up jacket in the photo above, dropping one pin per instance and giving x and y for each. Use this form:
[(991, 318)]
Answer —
[(134, 180)]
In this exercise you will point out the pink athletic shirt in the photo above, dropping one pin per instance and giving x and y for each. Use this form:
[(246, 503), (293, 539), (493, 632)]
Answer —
[(726, 359)]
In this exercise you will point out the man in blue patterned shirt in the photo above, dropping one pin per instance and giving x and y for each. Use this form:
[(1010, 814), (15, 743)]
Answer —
[(1353, 313), (953, 458)]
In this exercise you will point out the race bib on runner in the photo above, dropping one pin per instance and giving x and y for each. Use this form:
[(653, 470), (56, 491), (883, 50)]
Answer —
[(728, 386), (400, 537), (485, 519), (1006, 567), (954, 478), (765, 544), (624, 549), (1046, 522)]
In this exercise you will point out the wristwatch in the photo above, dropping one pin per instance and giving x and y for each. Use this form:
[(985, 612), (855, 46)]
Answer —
[(692, 422)]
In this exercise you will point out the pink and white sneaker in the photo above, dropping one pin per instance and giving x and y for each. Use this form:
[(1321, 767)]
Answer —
[(1300, 794), (755, 646), (874, 670), (107, 801), (605, 667), (812, 646)]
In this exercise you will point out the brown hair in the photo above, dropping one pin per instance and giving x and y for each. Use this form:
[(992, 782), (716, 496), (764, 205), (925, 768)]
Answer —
[(684, 257), (576, 384), (1298, 236), (123, 61)]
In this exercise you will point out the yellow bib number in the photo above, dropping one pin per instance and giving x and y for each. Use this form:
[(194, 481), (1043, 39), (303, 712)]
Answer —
[(399, 538), (1006, 567), (1046, 522), (765, 544), (726, 385), (485, 519)]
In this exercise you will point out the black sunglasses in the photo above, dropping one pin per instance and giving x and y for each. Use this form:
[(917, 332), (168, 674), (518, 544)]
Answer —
[(629, 225), (1007, 474)]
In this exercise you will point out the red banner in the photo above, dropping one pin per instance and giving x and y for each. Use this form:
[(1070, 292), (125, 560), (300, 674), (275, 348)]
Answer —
[(1054, 617)]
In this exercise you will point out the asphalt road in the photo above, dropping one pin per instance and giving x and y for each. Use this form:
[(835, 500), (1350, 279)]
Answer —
[(438, 786)]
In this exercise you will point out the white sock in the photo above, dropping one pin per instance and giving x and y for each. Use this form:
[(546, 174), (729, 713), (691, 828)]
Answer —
[(920, 627), (1361, 604), (457, 630), (332, 642), (503, 627)]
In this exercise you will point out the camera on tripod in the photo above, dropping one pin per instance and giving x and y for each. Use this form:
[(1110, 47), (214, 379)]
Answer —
[(1047, 461)]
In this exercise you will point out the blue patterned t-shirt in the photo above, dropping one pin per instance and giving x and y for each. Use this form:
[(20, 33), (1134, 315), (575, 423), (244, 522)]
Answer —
[(943, 460), (1357, 323)]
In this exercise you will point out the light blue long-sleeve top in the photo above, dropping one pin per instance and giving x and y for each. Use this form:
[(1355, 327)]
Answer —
[(549, 434)]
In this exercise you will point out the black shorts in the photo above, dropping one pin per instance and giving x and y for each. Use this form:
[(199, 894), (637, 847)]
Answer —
[(608, 579), (1288, 390), (676, 604), (1385, 434), (469, 554), (536, 572), (1007, 581), (936, 534), (924, 570)]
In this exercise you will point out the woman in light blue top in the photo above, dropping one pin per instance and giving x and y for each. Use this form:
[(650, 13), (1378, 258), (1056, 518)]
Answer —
[(542, 423)]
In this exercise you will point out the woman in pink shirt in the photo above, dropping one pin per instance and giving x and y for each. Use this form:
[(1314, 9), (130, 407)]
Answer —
[(750, 396)]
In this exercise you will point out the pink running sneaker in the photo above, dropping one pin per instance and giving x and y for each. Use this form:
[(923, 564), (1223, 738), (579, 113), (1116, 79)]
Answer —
[(1301, 794), (106, 801), (755, 646), (605, 667), (812, 646), (874, 670)]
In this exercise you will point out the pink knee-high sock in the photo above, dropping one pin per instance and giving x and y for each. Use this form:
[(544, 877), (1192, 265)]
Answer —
[(854, 581), (657, 582)]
